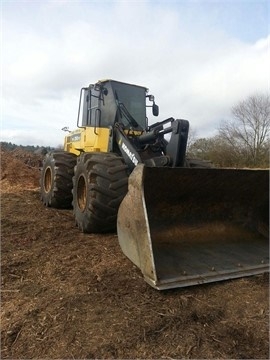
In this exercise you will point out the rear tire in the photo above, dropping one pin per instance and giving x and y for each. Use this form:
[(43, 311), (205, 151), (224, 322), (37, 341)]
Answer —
[(100, 183), (56, 179)]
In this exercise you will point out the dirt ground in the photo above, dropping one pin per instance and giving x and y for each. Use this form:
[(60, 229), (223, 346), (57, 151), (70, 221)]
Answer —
[(68, 295)]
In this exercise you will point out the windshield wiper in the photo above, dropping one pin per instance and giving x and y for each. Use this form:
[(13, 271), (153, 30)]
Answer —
[(124, 111), (128, 116)]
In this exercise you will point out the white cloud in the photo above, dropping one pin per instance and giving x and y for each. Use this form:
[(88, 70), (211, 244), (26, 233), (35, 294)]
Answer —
[(195, 71)]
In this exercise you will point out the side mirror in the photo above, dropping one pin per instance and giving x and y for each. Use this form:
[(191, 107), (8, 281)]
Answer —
[(155, 109)]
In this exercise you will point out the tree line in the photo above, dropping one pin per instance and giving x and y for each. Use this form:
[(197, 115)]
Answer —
[(242, 141), (30, 148)]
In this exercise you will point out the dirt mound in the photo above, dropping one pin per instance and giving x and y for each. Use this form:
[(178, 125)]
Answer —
[(19, 170)]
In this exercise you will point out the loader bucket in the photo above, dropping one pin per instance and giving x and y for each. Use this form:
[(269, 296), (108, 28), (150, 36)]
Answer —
[(188, 226)]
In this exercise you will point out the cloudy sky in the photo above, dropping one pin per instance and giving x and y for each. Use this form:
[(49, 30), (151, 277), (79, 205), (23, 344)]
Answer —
[(198, 57)]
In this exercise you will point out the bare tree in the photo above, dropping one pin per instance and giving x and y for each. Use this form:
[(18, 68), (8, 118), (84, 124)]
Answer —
[(248, 133), (192, 137), (200, 148)]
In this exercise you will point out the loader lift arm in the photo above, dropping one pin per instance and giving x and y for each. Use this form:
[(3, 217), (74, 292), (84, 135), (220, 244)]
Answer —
[(168, 153)]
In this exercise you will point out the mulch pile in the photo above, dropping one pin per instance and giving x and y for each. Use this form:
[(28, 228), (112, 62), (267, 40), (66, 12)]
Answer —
[(19, 170)]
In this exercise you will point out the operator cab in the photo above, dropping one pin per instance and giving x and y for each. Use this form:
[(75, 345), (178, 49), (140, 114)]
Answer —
[(109, 101)]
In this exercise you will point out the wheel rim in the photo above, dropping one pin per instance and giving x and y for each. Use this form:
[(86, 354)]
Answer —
[(81, 193), (48, 179)]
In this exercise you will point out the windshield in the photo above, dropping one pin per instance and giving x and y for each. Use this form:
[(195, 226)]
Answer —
[(131, 103)]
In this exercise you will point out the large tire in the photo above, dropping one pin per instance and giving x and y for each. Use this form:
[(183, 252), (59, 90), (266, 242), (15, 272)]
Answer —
[(100, 183), (56, 179)]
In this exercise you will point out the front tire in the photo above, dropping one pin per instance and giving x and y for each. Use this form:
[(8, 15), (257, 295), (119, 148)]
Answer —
[(56, 179), (100, 183)]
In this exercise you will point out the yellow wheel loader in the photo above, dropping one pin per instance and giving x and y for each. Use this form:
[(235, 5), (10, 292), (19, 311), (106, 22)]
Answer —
[(179, 220)]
